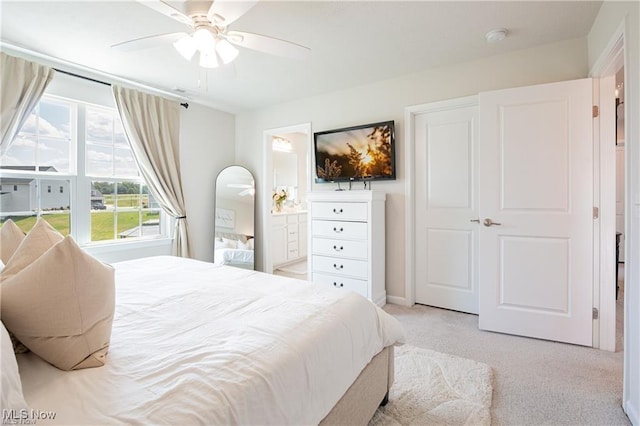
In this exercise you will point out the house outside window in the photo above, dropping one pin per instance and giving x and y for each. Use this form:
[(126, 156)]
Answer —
[(82, 149)]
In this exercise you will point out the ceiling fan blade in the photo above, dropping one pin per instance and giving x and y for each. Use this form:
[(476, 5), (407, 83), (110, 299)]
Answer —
[(224, 12), (148, 42), (267, 44), (167, 10)]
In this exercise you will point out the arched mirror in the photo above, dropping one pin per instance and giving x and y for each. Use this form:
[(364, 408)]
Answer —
[(234, 218)]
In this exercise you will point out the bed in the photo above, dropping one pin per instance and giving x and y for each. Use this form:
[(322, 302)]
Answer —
[(233, 250), (198, 343)]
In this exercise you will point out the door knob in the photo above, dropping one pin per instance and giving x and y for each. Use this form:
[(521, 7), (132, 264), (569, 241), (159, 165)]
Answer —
[(489, 222)]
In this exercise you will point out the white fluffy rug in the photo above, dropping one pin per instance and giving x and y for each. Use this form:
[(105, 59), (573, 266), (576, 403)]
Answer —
[(433, 388)]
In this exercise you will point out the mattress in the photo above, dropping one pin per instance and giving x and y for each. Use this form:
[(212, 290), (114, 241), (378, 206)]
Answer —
[(194, 342)]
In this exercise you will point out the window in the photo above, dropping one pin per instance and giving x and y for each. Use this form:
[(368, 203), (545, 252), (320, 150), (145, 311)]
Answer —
[(82, 149)]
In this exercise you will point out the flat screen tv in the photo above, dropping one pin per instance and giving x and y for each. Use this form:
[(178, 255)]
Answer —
[(358, 153)]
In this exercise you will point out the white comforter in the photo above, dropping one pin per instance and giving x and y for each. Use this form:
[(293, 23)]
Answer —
[(198, 343)]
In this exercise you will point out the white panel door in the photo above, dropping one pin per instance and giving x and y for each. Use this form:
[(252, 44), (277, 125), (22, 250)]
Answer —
[(446, 208), (536, 185)]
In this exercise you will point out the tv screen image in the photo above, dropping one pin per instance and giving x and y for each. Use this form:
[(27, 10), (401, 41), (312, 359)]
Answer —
[(365, 152)]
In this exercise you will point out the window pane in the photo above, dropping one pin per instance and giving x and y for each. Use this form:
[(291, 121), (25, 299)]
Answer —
[(99, 160), (44, 140), (55, 120), (18, 196), (99, 126), (22, 202), (102, 225), (119, 137), (125, 165), (22, 152), (54, 155), (150, 222)]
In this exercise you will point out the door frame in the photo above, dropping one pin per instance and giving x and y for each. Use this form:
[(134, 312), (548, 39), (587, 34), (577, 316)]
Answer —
[(410, 114), (267, 183), (611, 59)]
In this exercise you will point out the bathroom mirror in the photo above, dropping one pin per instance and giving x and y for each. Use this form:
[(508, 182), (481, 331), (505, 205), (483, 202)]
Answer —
[(234, 218)]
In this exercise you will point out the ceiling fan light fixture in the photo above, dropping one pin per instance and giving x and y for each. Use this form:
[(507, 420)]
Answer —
[(226, 51), (186, 47), (209, 60), (203, 39)]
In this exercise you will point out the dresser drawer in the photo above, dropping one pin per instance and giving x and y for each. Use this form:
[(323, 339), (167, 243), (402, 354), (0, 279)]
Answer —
[(292, 219), (338, 266), (358, 286), (340, 248), (336, 229), (339, 211)]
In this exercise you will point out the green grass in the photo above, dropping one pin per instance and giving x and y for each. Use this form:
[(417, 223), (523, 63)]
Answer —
[(102, 222)]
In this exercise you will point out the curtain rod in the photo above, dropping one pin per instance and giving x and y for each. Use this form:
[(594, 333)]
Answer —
[(184, 104)]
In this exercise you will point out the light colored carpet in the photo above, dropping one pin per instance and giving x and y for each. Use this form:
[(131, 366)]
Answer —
[(432, 388), (535, 382)]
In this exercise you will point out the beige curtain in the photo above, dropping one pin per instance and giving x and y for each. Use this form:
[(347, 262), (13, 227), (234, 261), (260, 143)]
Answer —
[(153, 126), (22, 84)]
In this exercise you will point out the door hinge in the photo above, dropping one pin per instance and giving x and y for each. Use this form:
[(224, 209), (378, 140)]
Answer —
[(596, 111), (596, 314), (596, 212)]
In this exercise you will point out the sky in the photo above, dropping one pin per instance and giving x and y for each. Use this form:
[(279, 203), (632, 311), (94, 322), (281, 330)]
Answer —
[(108, 151)]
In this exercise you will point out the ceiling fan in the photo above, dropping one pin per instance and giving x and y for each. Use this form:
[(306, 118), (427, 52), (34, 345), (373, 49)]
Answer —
[(209, 34)]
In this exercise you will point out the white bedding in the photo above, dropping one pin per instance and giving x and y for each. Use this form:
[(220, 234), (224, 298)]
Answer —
[(230, 256), (197, 343)]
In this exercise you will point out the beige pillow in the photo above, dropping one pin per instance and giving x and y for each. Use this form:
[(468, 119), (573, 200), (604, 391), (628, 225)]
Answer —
[(10, 238), (61, 307), (40, 239)]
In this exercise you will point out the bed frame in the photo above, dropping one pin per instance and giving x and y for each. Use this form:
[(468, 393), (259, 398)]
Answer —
[(370, 390)]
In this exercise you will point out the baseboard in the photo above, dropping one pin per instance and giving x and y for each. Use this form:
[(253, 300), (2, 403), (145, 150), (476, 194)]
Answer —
[(632, 413), (395, 300)]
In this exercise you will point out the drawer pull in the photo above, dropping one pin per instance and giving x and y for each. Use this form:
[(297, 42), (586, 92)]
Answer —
[(338, 249), (335, 284), (337, 231), (338, 267), (336, 211)]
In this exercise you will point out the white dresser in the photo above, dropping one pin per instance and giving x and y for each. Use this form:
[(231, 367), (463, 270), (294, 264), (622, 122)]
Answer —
[(347, 241)]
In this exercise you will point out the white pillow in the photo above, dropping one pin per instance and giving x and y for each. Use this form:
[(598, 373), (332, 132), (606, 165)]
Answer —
[(243, 246), (218, 244), (227, 243), (250, 243), (61, 306), (11, 397)]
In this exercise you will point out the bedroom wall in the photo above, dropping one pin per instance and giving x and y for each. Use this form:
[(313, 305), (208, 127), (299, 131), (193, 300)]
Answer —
[(610, 17), (386, 100), (243, 215), (206, 147)]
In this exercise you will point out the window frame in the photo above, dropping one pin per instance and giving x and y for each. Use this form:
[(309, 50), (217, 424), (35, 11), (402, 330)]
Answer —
[(80, 183)]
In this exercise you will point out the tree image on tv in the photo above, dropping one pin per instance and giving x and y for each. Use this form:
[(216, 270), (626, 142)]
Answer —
[(356, 154)]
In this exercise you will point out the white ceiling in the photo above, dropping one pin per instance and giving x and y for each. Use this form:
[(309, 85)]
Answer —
[(352, 42)]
